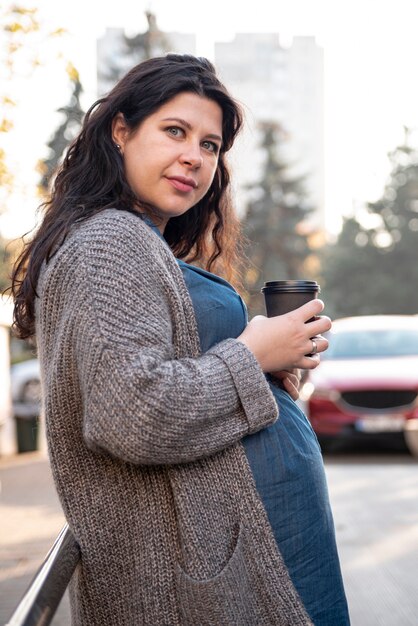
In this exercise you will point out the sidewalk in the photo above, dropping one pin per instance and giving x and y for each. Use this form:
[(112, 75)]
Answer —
[(30, 519), (375, 504)]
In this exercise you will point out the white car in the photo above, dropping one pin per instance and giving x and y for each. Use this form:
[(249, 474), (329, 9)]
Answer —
[(26, 388)]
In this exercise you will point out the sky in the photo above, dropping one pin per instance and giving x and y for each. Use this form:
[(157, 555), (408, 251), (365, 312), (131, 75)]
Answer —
[(371, 91)]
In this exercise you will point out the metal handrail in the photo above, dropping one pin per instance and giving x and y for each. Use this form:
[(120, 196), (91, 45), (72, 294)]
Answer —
[(38, 605)]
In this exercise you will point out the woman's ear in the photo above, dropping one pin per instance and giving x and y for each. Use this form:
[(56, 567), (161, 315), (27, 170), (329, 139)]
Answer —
[(120, 130)]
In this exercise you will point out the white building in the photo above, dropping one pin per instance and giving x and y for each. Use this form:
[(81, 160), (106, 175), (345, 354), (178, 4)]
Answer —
[(111, 53), (284, 85)]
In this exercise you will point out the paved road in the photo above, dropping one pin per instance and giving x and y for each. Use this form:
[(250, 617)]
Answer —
[(375, 502), (30, 519)]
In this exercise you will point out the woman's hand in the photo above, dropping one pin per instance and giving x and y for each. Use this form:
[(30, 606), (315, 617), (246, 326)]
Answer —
[(284, 342), (290, 381)]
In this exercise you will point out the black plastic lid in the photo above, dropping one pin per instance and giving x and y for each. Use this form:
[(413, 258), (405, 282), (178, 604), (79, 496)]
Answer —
[(291, 286)]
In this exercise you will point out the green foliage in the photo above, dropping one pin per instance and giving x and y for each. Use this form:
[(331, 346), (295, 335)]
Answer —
[(26, 45), (65, 133), (140, 47), (278, 247), (16, 26), (137, 48), (8, 253), (375, 270)]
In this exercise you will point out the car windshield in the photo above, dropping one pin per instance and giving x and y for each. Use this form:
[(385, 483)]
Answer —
[(357, 344)]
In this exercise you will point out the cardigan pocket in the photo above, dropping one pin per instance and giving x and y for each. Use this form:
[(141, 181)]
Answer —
[(225, 599)]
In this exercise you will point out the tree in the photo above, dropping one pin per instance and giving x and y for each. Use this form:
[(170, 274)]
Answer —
[(66, 131), (27, 46), (398, 207), (274, 225), (9, 251), (348, 281), (134, 49), (16, 24), (151, 43), (372, 270), (24, 49)]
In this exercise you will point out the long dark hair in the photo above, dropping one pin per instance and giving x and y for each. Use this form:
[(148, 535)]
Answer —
[(91, 178)]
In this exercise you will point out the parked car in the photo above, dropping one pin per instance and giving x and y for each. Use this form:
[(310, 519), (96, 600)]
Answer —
[(367, 382), (26, 388)]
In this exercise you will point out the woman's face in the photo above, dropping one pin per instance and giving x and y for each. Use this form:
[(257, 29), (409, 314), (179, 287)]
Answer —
[(171, 158)]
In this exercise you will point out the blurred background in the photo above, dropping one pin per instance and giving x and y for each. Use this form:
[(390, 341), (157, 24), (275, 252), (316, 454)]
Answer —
[(326, 185)]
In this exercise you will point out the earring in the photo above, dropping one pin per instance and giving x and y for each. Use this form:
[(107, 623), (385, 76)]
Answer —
[(117, 146)]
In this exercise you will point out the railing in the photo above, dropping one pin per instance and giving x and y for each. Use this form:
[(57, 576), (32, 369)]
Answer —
[(41, 600)]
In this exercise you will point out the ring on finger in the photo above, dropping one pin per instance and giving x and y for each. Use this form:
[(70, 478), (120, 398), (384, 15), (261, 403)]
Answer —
[(314, 347)]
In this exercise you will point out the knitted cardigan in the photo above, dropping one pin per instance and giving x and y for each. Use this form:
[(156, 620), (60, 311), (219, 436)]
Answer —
[(144, 441)]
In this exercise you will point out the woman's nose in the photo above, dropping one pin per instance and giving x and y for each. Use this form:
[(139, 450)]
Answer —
[(192, 157)]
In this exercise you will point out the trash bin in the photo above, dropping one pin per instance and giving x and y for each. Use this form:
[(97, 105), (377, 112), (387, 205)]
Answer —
[(27, 433)]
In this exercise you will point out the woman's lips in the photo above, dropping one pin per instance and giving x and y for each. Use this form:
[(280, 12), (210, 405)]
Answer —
[(182, 184)]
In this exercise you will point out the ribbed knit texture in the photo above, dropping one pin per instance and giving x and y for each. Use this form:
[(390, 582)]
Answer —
[(143, 435)]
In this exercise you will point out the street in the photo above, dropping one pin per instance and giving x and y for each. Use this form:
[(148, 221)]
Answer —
[(375, 503)]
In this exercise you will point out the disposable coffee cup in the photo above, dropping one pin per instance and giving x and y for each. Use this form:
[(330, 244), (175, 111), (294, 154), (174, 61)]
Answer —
[(282, 296)]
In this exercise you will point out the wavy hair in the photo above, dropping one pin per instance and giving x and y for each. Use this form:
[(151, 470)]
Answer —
[(91, 178)]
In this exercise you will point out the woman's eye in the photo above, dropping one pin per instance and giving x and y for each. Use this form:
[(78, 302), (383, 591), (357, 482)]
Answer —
[(175, 131), (211, 146)]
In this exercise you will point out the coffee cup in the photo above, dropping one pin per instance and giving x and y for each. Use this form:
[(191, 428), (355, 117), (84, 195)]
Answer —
[(282, 296)]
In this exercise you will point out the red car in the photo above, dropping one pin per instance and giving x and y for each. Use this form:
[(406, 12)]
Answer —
[(367, 382)]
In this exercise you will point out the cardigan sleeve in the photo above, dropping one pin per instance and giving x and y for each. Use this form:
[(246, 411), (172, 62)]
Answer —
[(143, 402)]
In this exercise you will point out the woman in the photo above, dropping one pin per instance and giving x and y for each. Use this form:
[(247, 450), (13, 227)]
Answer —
[(153, 379)]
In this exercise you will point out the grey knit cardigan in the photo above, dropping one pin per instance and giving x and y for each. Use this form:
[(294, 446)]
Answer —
[(144, 441)]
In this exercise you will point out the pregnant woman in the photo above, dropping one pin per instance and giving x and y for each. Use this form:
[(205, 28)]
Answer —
[(191, 481)]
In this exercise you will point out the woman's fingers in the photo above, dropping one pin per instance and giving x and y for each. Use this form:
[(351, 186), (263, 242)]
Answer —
[(284, 342), (291, 388), (309, 313), (309, 362), (309, 310), (321, 324), (317, 344), (292, 374)]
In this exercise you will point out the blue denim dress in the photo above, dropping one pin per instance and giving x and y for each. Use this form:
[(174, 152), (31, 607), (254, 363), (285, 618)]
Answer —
[(286, 462)]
